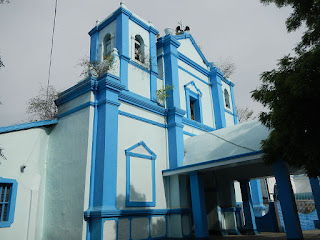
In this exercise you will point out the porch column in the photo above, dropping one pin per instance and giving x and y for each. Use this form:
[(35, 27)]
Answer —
[(199, 211), (314, 182), (287, 201), (257, 199), (250, 221)]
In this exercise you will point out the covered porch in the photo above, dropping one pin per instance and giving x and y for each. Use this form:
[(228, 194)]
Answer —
[(213, 162)]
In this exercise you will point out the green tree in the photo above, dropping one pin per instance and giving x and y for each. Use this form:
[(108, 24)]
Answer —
[(292, 93)]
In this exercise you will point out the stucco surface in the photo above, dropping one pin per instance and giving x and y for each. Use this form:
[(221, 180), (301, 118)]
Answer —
[(234, 140)]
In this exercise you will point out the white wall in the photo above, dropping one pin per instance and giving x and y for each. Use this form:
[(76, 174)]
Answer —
[(68, 175), (29, 148), (132, 131), (187, 49)]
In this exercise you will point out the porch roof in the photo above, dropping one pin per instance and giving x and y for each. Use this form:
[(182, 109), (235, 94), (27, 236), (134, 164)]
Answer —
[(230, 147)]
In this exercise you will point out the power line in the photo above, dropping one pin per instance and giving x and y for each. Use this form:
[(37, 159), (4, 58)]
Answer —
[(235, 144), (51, 50)]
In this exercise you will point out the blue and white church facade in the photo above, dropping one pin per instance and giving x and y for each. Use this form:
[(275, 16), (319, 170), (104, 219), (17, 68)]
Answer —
[(114, 164)]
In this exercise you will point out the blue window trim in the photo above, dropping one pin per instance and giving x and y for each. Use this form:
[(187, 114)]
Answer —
[(196, 98), (151, 157), (11, 202)]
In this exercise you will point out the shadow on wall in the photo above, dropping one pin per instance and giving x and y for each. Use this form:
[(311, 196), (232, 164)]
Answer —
[(138, 197), (138, 224)]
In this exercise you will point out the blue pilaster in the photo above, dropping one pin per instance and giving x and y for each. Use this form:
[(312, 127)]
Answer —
[(122, 43), (175, 137), (199, 211), (170, 51), (234, 109), (287, 200), (153, 64), (217, 98), (315, 187), (257, 199), (175, 114), (103, 196), (250, 221), (94, 46)]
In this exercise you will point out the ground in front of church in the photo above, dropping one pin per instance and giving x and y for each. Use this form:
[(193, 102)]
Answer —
[(308, 235)]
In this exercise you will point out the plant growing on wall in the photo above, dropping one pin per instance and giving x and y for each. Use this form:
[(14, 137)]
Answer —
[(162, 93), (1, 154), (96, 68)]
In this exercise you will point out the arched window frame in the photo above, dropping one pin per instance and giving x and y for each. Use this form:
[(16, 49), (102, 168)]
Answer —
[(227, 101), (139, 49), (107, 46)]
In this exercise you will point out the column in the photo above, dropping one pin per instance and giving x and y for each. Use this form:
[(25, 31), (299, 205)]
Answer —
[(234, 109), (104, 175), (217, 97), (122, 43), (257, 200), (198, 206), (287, 200), (314, 182), (175, 114), (153, 64), (250, 221)]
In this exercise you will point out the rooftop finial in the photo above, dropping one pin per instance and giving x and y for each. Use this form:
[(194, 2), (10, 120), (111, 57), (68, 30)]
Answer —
[(122, 4)]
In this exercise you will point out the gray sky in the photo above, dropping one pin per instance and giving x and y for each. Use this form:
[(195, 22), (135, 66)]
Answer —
[(252, 35)]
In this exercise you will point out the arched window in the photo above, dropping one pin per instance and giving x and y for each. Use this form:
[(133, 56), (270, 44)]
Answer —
[(139, 48), (227, 98), (106, 45)]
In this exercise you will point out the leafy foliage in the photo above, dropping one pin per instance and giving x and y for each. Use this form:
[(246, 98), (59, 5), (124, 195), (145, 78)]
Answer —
[(162, 93), (291, 93), (304, 12), (42, 106)]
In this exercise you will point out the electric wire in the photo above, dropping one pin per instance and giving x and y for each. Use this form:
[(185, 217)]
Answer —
[(51, 50), (221, 138)]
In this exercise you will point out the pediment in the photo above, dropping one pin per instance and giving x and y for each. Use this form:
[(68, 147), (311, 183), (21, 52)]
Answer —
[(191, 50), (142, 150)]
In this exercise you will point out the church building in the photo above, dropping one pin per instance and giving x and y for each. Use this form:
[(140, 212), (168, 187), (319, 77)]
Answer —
[(150, 149)]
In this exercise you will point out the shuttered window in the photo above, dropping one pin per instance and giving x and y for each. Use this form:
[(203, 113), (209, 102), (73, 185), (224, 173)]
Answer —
[(5, 197)]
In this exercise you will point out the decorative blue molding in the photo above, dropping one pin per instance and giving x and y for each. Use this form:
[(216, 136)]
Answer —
[(24, 126), (217, 98), (194, 85), (193, 64), (197, 125), (10, 202), (185, 70), (122, 43), (153, 66), (189, 36), (189, 134), (76, 109), (195, 98), (88, 84), (142, 119), (107, 213), (214, 161), (234, 109), (142, 102), (152, 157)]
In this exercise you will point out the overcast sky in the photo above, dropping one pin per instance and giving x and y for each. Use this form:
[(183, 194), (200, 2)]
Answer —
[(252, 35)]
